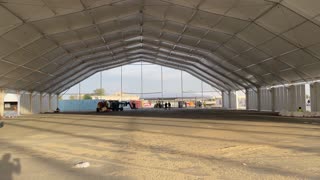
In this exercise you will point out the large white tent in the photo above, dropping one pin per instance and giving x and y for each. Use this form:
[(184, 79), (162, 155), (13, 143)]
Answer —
[(50, 45), (47, 46)]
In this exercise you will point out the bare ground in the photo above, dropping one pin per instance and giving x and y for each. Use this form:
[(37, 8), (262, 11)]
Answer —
[(176, 144)]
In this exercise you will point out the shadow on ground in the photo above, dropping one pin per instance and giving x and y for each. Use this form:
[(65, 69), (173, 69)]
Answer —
[(9, 167)]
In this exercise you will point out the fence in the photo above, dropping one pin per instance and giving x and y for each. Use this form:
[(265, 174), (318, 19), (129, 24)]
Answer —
[(77, 105)]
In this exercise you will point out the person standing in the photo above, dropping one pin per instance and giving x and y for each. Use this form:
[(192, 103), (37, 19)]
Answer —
[(169, 105), (133, 105), (165, 106)]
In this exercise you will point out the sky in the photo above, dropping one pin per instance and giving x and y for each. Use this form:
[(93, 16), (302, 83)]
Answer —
[(151, 78)]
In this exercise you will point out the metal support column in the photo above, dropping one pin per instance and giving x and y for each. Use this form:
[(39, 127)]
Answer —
[(181, 85), (57, 95), (141, 81), (202, 92), (292, 100), (223, 99), (41, 105), (247, 99), (50, 102), (101, 84), (121, 86), (273, 99), (31, 104), (161, 83), (315, 97), (1, 102), (258, 99), (230, 99), (19, 102), (79, 96)]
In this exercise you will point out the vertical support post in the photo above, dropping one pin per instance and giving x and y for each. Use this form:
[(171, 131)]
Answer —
[(121, 86), (292, 98), (141, 85), (315, 97), (57, 96), (141, 81), (233, 102), (161, 83), (303, 97), (247, 99), (237, 99), (79, 96), (50, 102), (101, 83), (31, 104), (19, 102), (230, 99), (258, 99), (223, 99), (273, 99), (121, 83), (41, 105), (1, 102), (202, 92), (181, 85)]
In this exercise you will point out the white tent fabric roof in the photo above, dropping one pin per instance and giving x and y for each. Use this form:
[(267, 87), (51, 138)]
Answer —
[(50, 45)]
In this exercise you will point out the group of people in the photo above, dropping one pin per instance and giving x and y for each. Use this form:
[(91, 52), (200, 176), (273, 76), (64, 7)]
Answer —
[(167, 105)]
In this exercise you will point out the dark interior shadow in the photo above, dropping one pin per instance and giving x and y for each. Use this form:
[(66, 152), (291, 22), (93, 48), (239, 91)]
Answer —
[(9, 167)]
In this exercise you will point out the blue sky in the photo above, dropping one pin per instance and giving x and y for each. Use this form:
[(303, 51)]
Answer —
[(111, 82)]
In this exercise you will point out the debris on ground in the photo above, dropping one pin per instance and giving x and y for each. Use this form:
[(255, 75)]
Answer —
[(82, 165), (244, 164)]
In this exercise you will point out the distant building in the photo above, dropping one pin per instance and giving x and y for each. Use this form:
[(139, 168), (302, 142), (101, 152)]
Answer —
[(118, 96), (190, 101)]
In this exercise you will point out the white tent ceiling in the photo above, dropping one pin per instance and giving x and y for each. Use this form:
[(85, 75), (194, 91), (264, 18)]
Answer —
[(49, 45)]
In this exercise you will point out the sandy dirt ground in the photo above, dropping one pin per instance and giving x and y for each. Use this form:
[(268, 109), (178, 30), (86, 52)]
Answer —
[(175, 144)]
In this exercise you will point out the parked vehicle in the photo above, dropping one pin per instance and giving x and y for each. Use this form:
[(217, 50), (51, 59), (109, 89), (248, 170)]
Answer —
[(105, 106)]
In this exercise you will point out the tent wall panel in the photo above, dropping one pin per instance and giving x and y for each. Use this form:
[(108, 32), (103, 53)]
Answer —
[(54, 102), (225, 99), (36, 104), (290, 98), (25, 104), (233, 100), (315, 97), (45, 103), (1, 102), (297, 97), (281, 99), (252, 99), (266, 99)]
